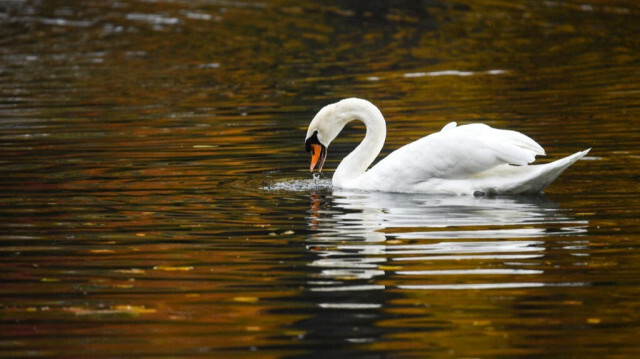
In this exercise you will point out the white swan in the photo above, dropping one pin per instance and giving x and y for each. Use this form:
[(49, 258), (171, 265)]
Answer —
[(466, 159)]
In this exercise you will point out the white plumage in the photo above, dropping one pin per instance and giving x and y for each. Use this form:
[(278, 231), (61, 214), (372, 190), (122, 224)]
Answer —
[(457, 160)]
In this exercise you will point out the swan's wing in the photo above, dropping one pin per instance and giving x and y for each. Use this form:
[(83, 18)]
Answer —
[(456, 152)]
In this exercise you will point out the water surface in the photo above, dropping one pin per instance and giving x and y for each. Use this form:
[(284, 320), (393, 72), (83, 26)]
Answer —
[(155, 197)]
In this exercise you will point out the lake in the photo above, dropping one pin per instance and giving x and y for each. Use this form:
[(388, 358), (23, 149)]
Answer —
[(156, 200)]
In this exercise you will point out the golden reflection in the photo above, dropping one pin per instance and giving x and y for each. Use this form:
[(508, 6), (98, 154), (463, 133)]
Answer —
[(316, 200)]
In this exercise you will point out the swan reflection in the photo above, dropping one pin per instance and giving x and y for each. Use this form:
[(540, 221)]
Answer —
[(377, 216), (360, 237)]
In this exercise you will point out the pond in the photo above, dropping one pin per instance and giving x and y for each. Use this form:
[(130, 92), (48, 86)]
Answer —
[(156, 199)]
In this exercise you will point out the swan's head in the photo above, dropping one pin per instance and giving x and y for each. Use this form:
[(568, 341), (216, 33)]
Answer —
[(330, 120), (323, 129)]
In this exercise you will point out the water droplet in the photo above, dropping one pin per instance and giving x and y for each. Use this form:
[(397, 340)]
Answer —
[(316, 177)]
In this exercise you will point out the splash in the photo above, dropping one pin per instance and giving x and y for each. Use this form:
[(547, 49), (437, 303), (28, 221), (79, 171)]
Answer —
[(300, 185)]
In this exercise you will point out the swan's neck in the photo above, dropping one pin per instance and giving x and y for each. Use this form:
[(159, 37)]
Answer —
[(357, 162)]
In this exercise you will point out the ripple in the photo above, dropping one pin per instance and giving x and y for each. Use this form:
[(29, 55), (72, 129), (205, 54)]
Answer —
[(444, 247), (349, 288), (476, 286), (153, 19), (453, 73), (350, 305), (470, 271)]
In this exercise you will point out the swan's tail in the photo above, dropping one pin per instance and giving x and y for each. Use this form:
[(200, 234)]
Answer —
[(546, 173), (532, 178)]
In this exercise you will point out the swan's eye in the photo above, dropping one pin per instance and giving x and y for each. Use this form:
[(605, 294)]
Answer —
[(311, 140)]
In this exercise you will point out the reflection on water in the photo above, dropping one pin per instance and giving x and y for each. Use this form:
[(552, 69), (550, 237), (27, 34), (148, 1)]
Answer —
[(416, 216), (373, 255), (363, 235)]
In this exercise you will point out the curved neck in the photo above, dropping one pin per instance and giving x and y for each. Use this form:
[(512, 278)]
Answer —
[(357, 162)]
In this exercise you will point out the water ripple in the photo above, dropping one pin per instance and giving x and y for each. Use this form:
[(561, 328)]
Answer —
[(488, 286)]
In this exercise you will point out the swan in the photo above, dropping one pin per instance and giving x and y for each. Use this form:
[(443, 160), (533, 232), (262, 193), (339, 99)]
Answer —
[(468, 159)]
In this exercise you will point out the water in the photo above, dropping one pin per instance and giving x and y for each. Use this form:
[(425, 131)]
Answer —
[(155, 196)]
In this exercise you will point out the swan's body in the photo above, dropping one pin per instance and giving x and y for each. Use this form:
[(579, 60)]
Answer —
[(457, 160)]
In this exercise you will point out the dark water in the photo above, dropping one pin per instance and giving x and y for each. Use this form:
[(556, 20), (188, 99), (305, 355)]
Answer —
[(155, 198)]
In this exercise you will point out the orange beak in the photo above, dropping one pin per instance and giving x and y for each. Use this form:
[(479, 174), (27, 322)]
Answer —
[(318, 155)]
